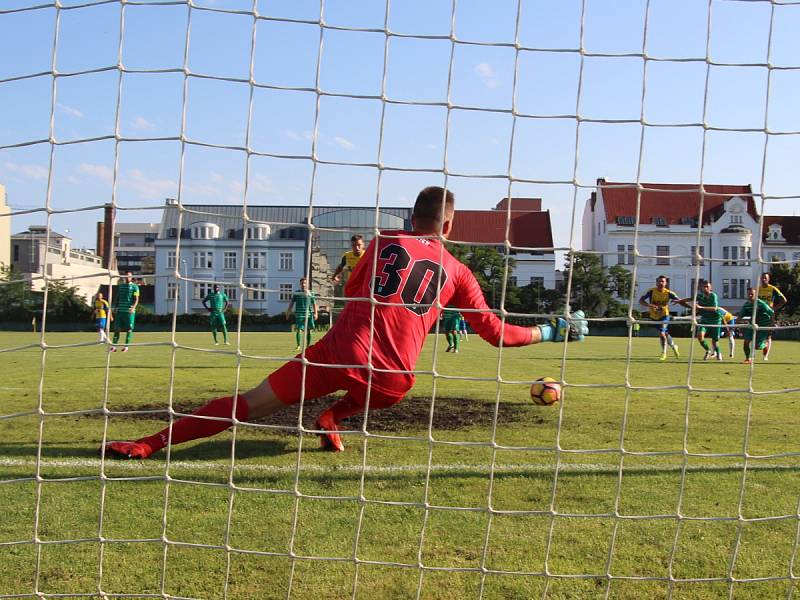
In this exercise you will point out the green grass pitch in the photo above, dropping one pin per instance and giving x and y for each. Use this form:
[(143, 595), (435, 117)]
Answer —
[(644, 493)]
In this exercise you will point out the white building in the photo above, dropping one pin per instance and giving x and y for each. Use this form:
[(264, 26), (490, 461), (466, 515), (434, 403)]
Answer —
[(216, 247), (781, 239), (669, 224), (35, 254)]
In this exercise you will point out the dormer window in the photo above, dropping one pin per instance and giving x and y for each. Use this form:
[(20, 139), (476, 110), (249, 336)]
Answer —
[(258, 232), (626, 220), (659, 221), (775, 233), (205, 231)]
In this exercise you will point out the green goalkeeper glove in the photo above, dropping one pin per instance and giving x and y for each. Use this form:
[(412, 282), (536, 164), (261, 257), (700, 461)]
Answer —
[(560, 328)]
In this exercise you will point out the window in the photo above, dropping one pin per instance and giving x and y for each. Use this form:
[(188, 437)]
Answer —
[(659, 221), (726, 288), (744, 255), (286, 262), (773, 256), (537, 282), (626, 220), (743, 288), (734, 255), (256, 260), (229, 259), (149, 240), (231, 291), (16, 252), (256, 290), (694, 254), (201, 290), (203, 260), (624, 258), (662, 253), (726, 255), (172, 290), (736, 219), (258, 232), (205, 231), (172, 232), (172, 259), (285, 292)]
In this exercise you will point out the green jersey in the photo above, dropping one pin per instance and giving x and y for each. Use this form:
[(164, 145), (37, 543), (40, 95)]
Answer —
[(708, 317), (216, 301), (451, 319), (304, 303), (764, 312), (127, 295)]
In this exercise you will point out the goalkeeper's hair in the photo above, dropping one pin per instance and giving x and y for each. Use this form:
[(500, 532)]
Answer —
[(428, 209)]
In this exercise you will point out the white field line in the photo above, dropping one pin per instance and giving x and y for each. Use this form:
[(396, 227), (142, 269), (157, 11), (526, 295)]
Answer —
[(198, 465)]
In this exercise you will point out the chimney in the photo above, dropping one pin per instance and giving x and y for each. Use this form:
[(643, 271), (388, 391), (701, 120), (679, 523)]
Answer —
[(105, 245)]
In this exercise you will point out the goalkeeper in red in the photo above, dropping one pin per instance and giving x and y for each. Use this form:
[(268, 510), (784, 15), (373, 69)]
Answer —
[(409, 274)]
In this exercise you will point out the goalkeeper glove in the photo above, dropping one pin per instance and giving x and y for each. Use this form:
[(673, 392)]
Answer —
[(560, 329)]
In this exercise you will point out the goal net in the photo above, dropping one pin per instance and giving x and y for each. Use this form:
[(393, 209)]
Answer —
[(592, 147)]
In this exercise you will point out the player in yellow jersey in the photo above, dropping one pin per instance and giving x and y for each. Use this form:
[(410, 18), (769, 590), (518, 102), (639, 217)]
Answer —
[(657, 300), (775, 299), (728, 322), (100, 314), (350, 258)]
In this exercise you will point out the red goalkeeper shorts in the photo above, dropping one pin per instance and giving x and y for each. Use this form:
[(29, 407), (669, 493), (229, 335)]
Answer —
[(287, 381)]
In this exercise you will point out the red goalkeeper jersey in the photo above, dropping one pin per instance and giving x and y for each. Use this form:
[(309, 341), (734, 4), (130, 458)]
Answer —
[(410, 276)]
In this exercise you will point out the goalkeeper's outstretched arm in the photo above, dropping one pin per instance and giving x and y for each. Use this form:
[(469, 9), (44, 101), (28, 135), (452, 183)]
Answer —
[(492, 329)]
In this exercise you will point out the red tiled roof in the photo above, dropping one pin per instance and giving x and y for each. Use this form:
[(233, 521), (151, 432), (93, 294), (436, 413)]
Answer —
[(790, 229), (528, 229), (673, 201)]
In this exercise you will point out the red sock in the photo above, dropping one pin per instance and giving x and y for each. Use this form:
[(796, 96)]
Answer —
[(190, 428), (346, 407)]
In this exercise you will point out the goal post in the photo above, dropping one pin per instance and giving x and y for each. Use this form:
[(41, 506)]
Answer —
[(594, 154)]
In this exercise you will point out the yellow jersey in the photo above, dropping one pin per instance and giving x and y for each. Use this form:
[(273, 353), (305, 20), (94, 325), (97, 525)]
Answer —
[(770, 294), (661, 298), (727, 317), (100, 309), (350, 259)]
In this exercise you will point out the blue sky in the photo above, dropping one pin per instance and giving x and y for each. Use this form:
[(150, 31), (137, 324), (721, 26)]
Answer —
[(414, 130)]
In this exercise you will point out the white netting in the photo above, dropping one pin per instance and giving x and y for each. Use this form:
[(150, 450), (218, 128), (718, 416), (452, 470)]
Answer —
[(542, 525)]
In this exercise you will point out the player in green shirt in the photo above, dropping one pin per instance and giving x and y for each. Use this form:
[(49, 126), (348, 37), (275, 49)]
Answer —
[(216, 303), (755, 309), (125, 302), (451, 320), (710, 320), (305, 313)]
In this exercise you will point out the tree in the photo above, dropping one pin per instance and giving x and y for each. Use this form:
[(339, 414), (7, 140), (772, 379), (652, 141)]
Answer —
[(64, 303), (596, 289), (489, 267), (536, 299), (787, 279)]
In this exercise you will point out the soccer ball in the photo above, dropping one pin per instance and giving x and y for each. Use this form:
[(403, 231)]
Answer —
[(545, 391)]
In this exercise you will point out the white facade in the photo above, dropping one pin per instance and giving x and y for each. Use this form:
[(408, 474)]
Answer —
[(729, 243), (272, 270), (535, 268)]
